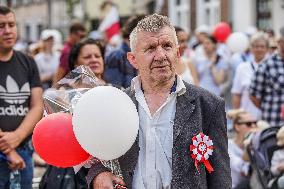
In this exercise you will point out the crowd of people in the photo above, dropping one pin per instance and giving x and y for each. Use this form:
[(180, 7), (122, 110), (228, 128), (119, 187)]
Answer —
[(165, 70)]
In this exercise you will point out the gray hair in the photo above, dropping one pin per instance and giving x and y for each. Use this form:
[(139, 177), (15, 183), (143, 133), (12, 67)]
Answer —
[(152, 23), (259, 36)]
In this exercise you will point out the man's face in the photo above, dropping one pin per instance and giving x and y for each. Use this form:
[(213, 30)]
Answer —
[(8, 31), (259, 49), (182, 41), (48, 43), (79, 35), (155, 56)]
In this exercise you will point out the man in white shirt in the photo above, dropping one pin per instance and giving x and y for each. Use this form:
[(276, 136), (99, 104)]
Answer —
[(171, 113)]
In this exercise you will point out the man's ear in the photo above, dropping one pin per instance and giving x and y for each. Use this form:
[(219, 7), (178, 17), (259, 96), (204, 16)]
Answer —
[(178, 52), (131, 58)]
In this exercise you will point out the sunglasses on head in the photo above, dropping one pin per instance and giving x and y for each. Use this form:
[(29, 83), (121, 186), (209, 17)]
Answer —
[(248, 123)]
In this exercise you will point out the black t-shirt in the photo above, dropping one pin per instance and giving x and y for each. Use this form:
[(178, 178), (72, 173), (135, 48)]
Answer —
[(17, 77)]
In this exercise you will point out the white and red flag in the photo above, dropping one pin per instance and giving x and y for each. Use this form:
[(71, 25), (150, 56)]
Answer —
[(110, 23)]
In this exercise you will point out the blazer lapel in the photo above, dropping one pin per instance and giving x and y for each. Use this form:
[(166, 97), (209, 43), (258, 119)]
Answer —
[(186, 125), (184, 109)]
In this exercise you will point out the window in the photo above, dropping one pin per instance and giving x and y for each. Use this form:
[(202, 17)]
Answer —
[(28, 33), (179, 13), (207, 16), (184, 14), (263, 14), (39, 30), (209, 12)]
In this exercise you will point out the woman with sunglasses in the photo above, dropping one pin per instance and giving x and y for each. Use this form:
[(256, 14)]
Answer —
[(243, 123)]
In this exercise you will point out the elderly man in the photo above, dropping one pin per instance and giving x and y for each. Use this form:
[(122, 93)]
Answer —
[(172, 113), (267, 86)]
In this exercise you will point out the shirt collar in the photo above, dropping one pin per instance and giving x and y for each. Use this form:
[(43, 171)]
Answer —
[(255, 65), (178, 86)]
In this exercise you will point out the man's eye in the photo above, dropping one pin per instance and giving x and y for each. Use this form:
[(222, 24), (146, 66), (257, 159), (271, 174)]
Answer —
[(151, 48), (167, 46)]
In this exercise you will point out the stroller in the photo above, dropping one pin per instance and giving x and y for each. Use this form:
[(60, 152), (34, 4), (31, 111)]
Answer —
[(260, 154)]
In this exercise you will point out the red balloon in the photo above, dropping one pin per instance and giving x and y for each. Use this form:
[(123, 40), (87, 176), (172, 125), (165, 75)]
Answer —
[(222, 32), (55, 142)]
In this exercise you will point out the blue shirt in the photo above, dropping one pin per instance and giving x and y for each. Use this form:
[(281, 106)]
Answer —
[(118, 70), (205, 76), (267, 86)]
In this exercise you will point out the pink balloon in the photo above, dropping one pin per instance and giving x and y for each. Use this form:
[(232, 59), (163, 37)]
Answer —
[(55, 142), (222, 31)]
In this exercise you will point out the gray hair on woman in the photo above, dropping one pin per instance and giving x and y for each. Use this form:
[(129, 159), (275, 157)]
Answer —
[(259, 36)]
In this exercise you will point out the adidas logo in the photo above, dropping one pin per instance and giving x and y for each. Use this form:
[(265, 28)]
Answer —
[(14, 96)]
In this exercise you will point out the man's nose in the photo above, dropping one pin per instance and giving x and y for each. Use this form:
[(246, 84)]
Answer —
[(7, 29), (160, 53)]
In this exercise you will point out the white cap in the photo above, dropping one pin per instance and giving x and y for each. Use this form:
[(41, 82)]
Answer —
[(46, 34), (202, 29)]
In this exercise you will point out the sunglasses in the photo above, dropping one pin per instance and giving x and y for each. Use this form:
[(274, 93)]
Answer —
[(248, 123)]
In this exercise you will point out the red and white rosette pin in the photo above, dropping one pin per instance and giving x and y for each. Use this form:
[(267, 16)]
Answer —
[(202, 148)]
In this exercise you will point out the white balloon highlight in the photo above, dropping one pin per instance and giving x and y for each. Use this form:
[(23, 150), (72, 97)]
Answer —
[(105, 122), (238, 42)]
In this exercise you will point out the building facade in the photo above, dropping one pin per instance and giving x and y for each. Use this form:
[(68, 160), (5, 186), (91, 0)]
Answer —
[(33, 16), (241, 14), (190, 14)]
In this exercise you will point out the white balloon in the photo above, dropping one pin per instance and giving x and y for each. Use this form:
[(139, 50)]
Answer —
[(105, 122), (238, 42)]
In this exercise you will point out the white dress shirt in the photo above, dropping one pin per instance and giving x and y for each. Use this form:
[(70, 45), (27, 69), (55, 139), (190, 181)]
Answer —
[(154, 166), (47, 63)]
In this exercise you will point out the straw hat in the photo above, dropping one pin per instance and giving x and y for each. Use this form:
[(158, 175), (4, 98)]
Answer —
[(280, 137)]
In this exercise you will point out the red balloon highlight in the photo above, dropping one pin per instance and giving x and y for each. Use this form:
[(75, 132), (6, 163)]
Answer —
[(222, 32), (55, 142)]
